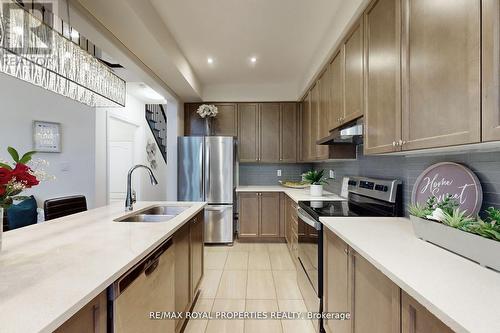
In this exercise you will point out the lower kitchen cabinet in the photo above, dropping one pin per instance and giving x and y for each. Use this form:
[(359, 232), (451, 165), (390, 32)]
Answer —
[(376, 299), (417, 319), (92, 318), (259, 215), (189, 249), (291, 225), (377, 305), (197, 252), (337, 289)]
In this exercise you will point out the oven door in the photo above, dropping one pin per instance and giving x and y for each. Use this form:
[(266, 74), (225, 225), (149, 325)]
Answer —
[(310, 234)]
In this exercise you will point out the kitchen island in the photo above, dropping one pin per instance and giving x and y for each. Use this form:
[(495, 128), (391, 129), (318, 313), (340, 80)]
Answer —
[(460, 293), (49, 271)]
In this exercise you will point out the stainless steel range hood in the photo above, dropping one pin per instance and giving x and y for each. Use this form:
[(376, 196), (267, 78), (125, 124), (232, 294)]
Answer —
[(351, 133)]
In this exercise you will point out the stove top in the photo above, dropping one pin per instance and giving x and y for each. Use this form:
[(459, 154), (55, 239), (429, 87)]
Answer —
[(319, 209)]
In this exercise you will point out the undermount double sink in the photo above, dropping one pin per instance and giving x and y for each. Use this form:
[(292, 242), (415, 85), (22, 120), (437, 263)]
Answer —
[(154, 214)]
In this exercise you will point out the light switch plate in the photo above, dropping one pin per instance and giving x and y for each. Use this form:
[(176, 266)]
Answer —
[(278, 173), (332, 174)]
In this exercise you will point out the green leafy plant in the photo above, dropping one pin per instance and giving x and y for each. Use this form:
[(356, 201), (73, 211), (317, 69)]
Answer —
[(458, 219), (316, 177), (448, 204), (419, 210)]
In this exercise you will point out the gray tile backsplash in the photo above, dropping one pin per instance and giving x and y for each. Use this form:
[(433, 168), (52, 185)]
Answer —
[(265, 174), (486, 165)]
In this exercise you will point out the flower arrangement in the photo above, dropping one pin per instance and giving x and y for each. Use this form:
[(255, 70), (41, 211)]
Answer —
[(24, 173), (447, 212), (206, 110)]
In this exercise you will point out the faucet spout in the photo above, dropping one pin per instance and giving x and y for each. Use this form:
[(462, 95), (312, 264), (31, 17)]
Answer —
[(129, 201)]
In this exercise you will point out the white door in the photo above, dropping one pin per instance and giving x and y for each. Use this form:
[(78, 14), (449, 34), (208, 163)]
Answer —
[(121, 159)]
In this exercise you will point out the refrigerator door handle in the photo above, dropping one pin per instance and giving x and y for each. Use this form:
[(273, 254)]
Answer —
[(206, 172)]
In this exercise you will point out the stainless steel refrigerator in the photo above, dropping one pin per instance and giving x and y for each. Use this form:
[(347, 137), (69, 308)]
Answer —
[(206, 172)]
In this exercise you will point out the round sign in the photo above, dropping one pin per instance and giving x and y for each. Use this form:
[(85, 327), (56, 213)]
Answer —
[(447, 178)]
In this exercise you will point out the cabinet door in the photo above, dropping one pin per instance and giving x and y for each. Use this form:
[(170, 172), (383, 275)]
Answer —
[(197, 251), (288, 132), (269, 214), (193, 124), (417, 319), (248, 205), (353, 74), (336, 281), (491, 70), (269, 144), (382, 76), (323, 113), (92, 318), (442, 72), (226, 122), (314, 149), (248, 132), (182, 270), (376, 299), (306, 128), (337, 91)]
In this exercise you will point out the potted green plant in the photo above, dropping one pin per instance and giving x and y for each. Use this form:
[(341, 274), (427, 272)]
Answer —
[(446, 225), (317, 179)]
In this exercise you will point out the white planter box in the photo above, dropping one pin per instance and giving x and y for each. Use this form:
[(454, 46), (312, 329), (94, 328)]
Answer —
[(316, 190), (476, 248)]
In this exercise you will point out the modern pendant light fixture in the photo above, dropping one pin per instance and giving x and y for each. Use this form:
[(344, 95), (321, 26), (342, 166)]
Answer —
[(38, 47)]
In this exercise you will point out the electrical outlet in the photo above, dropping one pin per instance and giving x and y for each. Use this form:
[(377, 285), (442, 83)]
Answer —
[(332, 174), (278, 173)]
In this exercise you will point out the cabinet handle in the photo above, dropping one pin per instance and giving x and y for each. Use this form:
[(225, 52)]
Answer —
[(346, 251), (403, 142), (394, 143)]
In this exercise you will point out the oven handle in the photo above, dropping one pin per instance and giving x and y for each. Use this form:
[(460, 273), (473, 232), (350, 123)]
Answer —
[(308, 219)]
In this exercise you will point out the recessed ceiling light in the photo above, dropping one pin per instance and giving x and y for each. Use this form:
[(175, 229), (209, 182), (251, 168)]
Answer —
[(210, 60), (253, 60)]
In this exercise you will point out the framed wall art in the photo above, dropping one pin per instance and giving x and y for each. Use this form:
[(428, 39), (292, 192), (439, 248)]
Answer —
[(46, 136)]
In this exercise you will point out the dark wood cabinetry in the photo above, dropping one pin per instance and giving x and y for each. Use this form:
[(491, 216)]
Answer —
[(382, 22), (269, 138), (353, 74), (226, 122), (490, 70), (92, 318), (288, 132), (197, 252), (417, 319), (248, 132), (259, 215)]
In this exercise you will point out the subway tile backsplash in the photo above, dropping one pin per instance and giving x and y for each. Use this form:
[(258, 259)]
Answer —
[(266, 174), (486, 165)]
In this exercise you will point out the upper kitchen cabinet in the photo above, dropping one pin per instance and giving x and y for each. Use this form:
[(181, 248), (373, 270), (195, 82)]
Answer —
[(267, 132), (226, 122), (353, 74), (315, 120), (491, 70), (306, 128), (382, 23), (336, 91), (288, 132), (441, 73), (269, 124), (248, 132), (324, 99)]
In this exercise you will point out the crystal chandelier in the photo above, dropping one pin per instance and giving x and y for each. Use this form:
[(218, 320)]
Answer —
[(50, 56)]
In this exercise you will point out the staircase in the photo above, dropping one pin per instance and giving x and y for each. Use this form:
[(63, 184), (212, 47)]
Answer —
[(157, 120)]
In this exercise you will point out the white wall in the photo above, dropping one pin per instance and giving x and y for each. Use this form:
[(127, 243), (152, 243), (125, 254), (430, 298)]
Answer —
[(21, 103), (134, 113)]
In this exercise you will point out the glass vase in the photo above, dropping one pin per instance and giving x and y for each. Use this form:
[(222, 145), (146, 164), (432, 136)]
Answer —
[(209, 124)]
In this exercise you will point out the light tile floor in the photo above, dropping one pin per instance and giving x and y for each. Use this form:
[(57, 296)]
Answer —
[(249, 277)]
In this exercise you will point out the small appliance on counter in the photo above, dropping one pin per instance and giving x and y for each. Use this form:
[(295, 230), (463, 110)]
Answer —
[(365, 197), (206, 172)]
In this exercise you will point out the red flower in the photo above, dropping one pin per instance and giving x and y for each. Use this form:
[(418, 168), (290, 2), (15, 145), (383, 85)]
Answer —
[(5, 176), (22, 174)]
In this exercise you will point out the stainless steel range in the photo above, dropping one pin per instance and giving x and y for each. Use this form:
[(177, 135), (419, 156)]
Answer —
[(366, 197)]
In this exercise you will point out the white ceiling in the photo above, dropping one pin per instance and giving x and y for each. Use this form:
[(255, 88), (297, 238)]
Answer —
[(284, 35)]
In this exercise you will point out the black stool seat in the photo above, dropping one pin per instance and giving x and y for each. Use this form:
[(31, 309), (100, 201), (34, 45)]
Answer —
[(59, 207)]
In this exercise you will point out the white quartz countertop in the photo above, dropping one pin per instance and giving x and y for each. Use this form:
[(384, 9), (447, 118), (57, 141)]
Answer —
[(295, 194), (459, 292), (49, 271)]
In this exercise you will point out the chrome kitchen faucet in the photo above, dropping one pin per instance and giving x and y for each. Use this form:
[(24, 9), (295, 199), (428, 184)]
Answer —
[(129, 202)]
